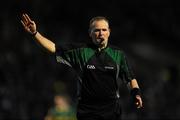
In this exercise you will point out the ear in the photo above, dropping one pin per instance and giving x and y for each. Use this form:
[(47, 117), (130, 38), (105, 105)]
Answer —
[(109, 31), (90, 32)]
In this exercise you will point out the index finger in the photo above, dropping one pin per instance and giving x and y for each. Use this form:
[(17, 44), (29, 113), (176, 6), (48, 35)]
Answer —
[(28, 18)]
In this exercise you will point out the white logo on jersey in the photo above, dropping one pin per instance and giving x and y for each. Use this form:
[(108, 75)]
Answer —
[(91, 67), (109, 67)]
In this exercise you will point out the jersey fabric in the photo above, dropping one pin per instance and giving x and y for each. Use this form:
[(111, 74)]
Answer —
[(98, 72), (57, 114)]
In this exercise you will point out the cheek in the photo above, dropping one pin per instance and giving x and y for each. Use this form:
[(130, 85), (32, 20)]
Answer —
[(95, 35), (108, 34)]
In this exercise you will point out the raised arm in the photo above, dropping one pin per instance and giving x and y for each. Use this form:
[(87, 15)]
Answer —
[(30, 27)]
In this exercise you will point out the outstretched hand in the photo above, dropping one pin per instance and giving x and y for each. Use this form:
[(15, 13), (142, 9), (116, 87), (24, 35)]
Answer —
[(28, 24)]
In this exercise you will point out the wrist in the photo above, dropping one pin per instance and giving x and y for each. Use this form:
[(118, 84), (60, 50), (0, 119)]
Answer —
[(34, 33), (135, 92)]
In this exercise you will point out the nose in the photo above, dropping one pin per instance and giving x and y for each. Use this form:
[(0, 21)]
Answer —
[(100, 32)]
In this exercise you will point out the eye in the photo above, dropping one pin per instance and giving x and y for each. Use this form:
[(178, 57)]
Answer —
[(97, 30), (104, 29)]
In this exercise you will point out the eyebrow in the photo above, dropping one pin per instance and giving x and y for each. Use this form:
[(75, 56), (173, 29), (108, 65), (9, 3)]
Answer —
[(97, 29)]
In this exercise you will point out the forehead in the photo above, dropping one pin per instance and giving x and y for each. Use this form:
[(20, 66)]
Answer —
[(100, 24)]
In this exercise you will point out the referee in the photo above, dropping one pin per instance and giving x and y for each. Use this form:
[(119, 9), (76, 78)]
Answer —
[(99, 67)]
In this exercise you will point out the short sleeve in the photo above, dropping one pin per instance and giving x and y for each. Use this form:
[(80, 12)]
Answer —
[(67, 53), (62, 54), (126, 72)]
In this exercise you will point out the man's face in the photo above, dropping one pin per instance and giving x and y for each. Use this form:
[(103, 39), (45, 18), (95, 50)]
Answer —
[(99, 33)]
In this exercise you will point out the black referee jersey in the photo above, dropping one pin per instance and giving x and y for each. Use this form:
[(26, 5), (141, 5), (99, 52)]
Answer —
[(97, 70)]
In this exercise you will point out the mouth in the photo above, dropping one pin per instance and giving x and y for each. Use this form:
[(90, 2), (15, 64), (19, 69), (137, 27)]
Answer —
[(100, 40)]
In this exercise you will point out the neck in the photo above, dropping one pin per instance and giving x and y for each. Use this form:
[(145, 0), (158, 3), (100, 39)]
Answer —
[(102, 46)]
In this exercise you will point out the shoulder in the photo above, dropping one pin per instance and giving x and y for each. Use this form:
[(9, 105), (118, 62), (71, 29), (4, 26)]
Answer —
[(116, 48)]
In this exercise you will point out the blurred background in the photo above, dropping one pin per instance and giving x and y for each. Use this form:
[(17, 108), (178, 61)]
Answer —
[(149, 32)]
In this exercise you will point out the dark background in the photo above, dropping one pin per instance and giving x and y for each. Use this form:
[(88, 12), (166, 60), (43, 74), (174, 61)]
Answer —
[(149, 32)]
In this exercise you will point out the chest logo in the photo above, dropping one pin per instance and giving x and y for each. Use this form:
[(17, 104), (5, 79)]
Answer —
[(91, 67), (109, 67)]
